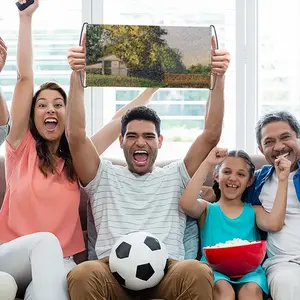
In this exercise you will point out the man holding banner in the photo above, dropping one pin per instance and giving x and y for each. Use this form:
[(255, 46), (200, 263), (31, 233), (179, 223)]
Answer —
[(158, 189)]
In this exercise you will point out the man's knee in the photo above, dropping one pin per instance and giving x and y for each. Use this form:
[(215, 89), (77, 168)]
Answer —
[(8, 286), (190, 279), (86, 272), (194, 270), (283, 281), (81, 272)]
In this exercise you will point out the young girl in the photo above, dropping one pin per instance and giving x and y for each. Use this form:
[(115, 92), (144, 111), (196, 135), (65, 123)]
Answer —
[(230, 218)]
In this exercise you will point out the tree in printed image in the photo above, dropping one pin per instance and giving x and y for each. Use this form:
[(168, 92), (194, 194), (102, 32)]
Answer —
[(142, 48), (171, 60), (138, 47), (94, 44), (199, 69), (143, 52)]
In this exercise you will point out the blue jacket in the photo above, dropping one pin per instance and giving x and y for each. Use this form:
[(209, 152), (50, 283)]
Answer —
[(251, 195)]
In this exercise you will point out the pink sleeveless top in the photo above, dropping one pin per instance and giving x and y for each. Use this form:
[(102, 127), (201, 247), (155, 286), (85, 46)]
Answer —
[(35, 203)]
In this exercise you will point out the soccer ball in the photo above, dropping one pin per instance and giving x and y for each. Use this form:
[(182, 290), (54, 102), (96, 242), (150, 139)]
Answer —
[(138, 260)]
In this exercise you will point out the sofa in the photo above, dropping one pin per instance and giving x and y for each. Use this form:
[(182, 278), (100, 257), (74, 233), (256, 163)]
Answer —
[(258, 160)]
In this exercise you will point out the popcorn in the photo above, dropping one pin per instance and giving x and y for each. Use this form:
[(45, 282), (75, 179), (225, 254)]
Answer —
[(234, 242)]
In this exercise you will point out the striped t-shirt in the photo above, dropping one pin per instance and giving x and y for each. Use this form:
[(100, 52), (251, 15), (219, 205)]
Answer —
[(122, 202)]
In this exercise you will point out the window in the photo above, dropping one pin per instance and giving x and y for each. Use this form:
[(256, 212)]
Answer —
[(279, 60), (264, 73), (268, 64), (182, 110), (52, 37)]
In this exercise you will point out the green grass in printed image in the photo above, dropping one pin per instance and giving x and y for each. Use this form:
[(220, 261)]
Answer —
[(148, 56)]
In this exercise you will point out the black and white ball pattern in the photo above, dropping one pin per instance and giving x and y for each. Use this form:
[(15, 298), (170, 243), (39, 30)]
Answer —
[(138, 260)]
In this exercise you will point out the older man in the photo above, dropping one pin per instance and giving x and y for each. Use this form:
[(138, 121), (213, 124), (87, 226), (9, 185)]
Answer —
[(277, 134)]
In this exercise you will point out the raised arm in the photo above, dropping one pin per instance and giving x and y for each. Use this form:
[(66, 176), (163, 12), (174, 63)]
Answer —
[(274, 221), (3, 105), (22, 99), (110, 132), (189, 200), (214, 114), (85, 152)]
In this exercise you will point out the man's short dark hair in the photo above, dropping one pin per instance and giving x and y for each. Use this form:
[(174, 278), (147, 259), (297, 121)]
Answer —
[(277, 116), (140, 113)]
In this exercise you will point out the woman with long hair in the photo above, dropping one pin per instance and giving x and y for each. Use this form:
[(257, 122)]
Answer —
[(39, 218)]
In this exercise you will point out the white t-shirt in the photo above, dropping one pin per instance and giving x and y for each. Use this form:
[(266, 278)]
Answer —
[(122, 202), (284, 245)]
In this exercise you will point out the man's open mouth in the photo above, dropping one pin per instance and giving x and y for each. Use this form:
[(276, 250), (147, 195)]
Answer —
[(140, 157)]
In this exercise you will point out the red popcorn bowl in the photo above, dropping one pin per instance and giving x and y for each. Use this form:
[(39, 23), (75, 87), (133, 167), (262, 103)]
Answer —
[(237, 260)]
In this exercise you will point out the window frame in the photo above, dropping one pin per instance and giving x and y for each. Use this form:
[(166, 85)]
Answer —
[(246, 110), (246, 74)]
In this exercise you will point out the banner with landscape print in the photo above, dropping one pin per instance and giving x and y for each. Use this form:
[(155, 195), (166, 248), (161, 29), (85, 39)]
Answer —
[(148, 56)]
